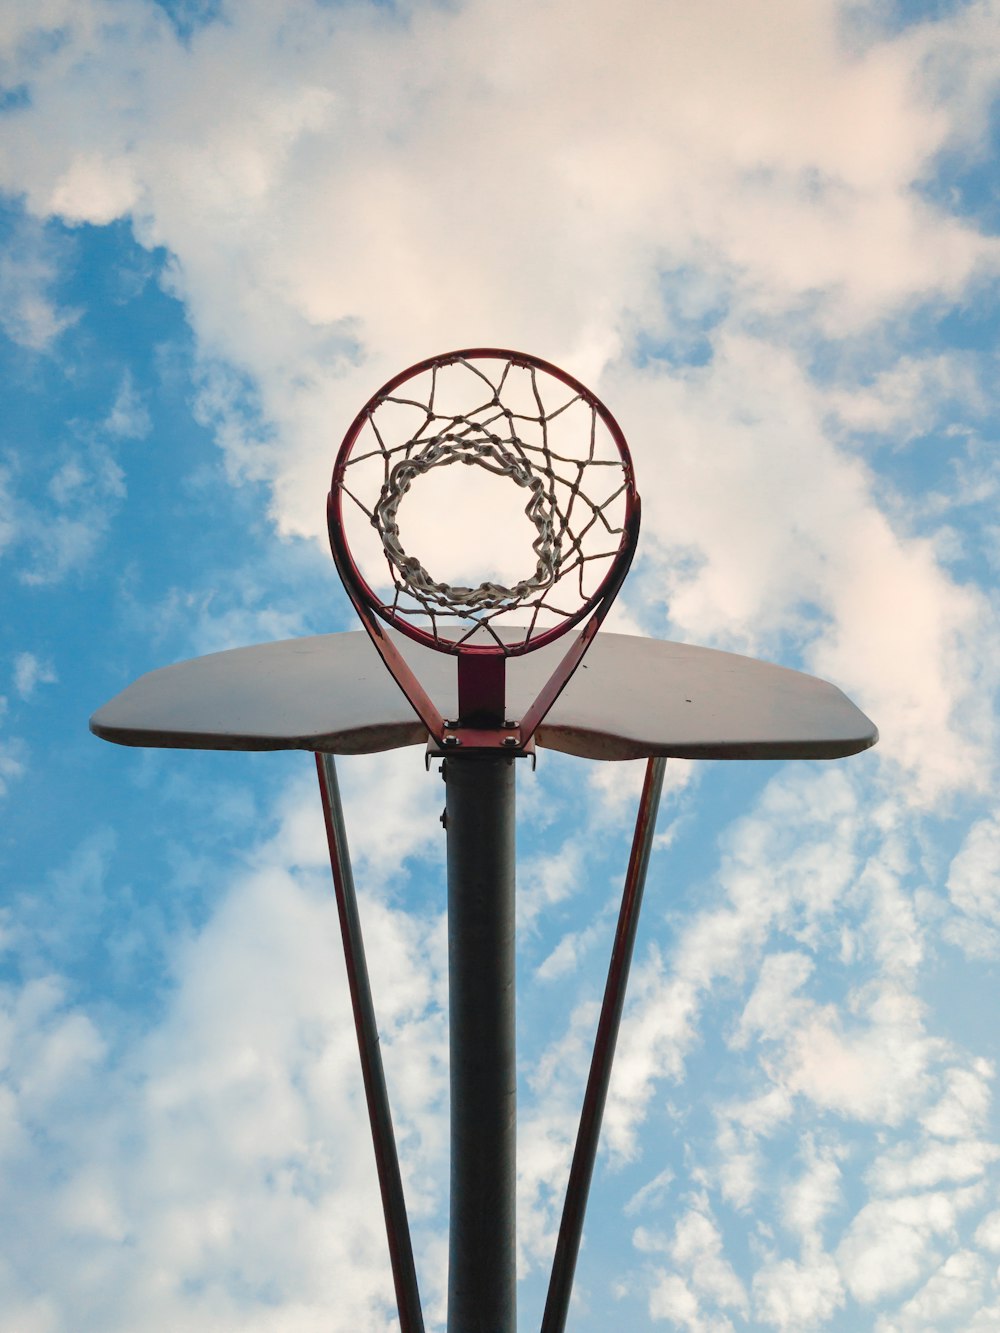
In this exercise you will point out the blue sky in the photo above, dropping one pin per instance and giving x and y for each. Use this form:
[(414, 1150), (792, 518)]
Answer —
[(767, 236)]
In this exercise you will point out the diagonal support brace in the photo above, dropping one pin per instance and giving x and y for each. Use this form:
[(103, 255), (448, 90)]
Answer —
[(589, 1131), (404, 1274)]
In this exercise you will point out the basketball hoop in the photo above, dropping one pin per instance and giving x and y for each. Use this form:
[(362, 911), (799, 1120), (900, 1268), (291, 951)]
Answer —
[(525, 423)]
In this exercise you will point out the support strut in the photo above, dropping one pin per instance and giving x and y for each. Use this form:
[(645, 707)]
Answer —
[(404, 1273), (589, 1131)]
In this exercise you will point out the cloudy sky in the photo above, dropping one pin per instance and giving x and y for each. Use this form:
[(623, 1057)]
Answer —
[(766, 232)]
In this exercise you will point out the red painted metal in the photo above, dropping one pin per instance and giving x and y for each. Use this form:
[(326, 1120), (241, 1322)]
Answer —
[(398, 667), (559, 679), (481, 681)]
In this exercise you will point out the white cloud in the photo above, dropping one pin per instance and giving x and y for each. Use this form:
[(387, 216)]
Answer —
[(651, 1193), (773, 1005), (890, 1243), (228, 609), (791, 1295), (701, 1273), (870, 1071), (129, 418), (788, 866), (697, 1246), (902, 1169), (974, 889), (94, 189), (30, 672), (946, 1296), (8, 528), (12, 765), (550, 879), (573, 947), (57, 519), (988, 1232), (673, 1299), (741, 1125), (964, 1105), (29, 266), (807, 1200), (910, 397), (546, 1134), (45, 1047), (393, 809)]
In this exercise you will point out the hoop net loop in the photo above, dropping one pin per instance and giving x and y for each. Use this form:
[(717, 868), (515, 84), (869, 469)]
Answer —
[(526, 423)]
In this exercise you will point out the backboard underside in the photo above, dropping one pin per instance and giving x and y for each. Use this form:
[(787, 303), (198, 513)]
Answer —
[(631, 698)]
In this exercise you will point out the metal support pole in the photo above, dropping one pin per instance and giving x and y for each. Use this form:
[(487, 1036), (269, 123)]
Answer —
[(585, 1152), (480, 826), (404, 1274)]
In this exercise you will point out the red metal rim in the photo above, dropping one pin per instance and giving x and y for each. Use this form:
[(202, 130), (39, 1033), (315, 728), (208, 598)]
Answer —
[(362, 593)]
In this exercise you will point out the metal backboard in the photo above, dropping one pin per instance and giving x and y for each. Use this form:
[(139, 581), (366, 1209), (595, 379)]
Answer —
[(632, 698)]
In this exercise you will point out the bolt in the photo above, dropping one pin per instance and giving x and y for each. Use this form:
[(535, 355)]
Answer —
[(509, 741), (451, 740)]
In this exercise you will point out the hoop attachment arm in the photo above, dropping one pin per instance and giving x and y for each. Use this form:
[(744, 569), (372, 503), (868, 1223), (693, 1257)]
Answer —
[(563, 673)]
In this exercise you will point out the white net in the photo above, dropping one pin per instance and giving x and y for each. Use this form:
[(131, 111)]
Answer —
[(519, 424)]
